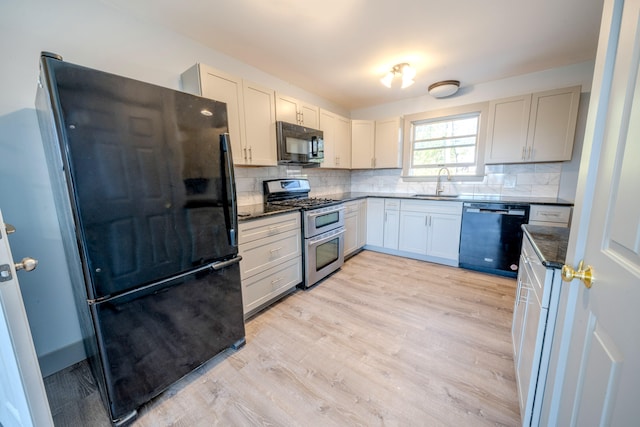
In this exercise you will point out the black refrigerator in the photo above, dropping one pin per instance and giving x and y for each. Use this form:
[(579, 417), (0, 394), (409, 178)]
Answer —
[(144, 189)]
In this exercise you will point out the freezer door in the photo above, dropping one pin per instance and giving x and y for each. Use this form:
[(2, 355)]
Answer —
[(150, 338), (148, 176)]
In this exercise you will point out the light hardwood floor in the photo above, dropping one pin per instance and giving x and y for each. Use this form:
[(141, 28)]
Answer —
[(385, 341)]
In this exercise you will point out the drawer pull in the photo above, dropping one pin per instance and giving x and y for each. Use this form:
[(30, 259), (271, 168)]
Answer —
[(276, 280), (275, 249)]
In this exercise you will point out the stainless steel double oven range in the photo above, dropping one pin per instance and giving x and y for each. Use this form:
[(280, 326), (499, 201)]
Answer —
[(322, 225)]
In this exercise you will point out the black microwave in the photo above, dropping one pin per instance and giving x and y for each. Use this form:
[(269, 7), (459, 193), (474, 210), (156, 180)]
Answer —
[(299, 145)]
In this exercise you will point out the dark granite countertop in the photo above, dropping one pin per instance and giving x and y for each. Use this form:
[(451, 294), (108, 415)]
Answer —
[(550, 243), (345, 197), (250, 212)]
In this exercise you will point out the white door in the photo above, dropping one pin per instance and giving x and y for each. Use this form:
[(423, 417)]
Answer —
[(23, 399), (596, 371)]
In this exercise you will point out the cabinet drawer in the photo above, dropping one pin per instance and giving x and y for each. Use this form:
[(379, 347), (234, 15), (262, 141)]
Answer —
[(392, 204), (537, 271), (262, 254), (549, 214), (431, 206), (265, 286), (249, 231), (351, 208)]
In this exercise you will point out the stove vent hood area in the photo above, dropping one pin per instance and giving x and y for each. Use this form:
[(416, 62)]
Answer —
[(299, 145)]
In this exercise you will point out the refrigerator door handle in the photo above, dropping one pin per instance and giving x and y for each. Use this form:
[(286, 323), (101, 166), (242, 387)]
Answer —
[(228, 168), (224, 264)]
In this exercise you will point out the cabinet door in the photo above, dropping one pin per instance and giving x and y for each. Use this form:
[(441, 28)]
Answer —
[(328, 126), (287, 109), (309, 115), (388, 143), (507, 132), (522, 295), (413, 232), (343, 142), (214, 84), (391, 228), (350, 233), (552, 124), (362, 140), (259, 125), (444, 236), (375, 222), (362, 223)]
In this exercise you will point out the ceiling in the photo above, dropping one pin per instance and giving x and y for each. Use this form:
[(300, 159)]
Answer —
[(339, 49)]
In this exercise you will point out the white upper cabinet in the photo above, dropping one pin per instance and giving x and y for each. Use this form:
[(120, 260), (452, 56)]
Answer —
[(388, 143), (537, 127), (376, 144), (250, 112), (337, 140), (260, 124), (362, 140), (293, 110)]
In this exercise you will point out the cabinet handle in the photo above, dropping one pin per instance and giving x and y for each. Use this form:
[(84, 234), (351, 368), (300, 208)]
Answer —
[(524, 152), (530, 152), (250, 155), (245, 153), (275, 249), (276, 280)]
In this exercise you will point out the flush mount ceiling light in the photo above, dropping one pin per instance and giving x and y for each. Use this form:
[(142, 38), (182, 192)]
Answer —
[(404, 70), (444, 88)]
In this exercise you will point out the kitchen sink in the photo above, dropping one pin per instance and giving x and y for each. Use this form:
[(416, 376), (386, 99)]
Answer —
[(436, 196)]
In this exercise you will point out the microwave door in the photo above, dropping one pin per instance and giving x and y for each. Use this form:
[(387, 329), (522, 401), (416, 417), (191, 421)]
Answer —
[(297, 148)]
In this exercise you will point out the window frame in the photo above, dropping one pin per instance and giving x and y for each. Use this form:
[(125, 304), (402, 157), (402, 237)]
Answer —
[(410, 121)]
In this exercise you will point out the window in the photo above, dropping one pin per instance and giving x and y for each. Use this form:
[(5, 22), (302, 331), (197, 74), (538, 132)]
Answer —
[(452, 139)]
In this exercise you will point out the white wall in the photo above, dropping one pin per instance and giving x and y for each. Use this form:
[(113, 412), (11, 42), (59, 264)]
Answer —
[(89, 33)]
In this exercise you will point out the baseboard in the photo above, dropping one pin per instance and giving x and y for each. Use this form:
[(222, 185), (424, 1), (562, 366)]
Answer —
[(57, 360)]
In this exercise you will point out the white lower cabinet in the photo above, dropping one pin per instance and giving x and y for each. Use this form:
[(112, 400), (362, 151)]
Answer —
[(355, 218), (431, 228), (534, 318), (421, 229), (271, 250)]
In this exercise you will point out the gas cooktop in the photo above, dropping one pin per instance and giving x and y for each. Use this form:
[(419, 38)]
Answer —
[(293, 192)]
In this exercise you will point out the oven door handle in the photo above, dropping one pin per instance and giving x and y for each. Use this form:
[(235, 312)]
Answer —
[(313, 215), (325, 237)]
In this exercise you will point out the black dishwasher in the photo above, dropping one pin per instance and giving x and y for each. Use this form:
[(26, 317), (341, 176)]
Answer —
[(491, 237)]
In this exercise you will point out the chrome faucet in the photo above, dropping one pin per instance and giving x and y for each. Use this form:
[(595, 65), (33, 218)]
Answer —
[(439, 186)]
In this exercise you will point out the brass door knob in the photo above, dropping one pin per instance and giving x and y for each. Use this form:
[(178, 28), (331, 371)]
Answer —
[(586, 275), (27, 264)]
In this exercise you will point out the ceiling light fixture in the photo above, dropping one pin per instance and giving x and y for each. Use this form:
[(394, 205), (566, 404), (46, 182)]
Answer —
[(403, 70), (444, 88)]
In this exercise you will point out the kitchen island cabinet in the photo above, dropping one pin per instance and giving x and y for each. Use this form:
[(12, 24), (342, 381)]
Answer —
[(250, 112), (271, 266), (538, 127)]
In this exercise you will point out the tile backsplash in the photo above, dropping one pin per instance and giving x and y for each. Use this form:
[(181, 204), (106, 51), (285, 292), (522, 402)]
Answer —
[(322, 181), (521, 180)]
